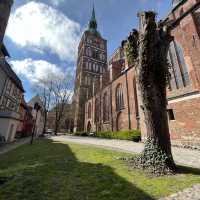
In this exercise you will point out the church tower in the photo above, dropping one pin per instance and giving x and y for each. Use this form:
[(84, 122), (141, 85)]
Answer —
[(91, 63)]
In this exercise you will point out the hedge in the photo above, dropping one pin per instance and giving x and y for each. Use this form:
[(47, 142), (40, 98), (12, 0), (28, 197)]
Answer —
[(133, 135)]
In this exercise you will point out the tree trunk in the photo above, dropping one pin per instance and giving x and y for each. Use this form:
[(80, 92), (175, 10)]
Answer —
[(148, 50), (45, 122), (152, 77)]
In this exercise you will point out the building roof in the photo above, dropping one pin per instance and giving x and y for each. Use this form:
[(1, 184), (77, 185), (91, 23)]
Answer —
[(11, 74), (4, 51), (177, 3), (35, 99), (92, 26)]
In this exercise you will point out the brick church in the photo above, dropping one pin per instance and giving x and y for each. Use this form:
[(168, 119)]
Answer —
[(106, 95)]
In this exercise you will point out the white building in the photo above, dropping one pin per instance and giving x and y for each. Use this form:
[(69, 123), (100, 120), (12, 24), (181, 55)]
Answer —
[(11, 92)]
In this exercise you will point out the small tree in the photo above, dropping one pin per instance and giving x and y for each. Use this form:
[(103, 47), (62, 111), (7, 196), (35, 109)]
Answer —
[(147, 51), (43, 88), (61, 96)]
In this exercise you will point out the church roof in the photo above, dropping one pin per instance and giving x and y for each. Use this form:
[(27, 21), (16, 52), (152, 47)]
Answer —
[(92, 26), (176, 2)]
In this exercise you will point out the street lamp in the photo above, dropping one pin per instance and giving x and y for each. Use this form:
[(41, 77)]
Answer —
[(37, 107)]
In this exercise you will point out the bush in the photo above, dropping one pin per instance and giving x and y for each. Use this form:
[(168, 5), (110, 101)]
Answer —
[(133, 135), (80, 134)]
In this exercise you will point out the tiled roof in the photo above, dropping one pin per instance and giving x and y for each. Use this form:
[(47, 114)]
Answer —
[(11, 74)]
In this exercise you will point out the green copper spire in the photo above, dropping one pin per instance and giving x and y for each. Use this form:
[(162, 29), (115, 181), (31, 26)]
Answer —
[(92, 27)]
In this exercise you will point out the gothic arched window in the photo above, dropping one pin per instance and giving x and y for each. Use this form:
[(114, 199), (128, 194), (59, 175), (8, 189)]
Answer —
[(119, 98), (178, 70), (105, 107), (97, 110), (89, 110)]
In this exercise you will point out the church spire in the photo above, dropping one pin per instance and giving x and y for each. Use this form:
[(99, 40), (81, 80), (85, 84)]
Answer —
[(92, 27), (93, 22)]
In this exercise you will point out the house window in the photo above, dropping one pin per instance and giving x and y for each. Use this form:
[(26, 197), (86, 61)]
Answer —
[(102, 45), (89, 110), (3, 104), (105, 107), (171, 114), (11, 105), (9, 86), (86, 65), (15, 92), (178, 70), (119, 98)]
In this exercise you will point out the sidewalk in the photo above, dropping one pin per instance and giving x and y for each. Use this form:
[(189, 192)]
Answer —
[(181, 156), (14, 145)]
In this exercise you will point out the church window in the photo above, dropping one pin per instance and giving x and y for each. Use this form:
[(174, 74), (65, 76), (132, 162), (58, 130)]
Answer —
[(97, 110), (105, 107), (86, 80), (90, 66), (90, 52), (119, 98), (89, 110), (178, 70), (97, 68), (86, 65), (89, 80), (100, 69)]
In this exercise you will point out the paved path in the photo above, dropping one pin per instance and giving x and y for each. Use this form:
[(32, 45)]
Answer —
[(181, 156), (192, 193), (14, 145)]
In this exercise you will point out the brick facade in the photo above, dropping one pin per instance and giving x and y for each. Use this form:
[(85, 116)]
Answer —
[(184, 86), (92, 62)]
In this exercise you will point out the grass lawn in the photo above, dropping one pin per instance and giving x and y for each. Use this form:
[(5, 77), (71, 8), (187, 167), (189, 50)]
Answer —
[(57, 171)]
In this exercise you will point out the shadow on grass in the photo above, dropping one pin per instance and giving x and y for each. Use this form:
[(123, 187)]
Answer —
[(51, 171), (187, 170)]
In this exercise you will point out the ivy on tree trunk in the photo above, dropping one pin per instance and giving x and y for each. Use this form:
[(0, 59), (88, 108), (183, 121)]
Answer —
[(147, 51)]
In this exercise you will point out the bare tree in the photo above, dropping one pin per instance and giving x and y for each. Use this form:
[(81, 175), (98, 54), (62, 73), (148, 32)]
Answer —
[(43, 88), (61, 96), (147, 51), (55, 93)]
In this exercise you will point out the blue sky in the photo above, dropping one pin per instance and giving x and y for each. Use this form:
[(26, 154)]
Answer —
[(42, 35)]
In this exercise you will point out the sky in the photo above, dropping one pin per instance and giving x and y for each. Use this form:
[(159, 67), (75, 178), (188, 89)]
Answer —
[(43, 35)]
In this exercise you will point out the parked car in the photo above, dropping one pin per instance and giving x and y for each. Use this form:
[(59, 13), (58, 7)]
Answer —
[(50, 131)]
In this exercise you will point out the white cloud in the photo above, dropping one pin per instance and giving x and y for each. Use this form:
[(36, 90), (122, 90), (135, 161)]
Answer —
[(40, 27), (35, 70)]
